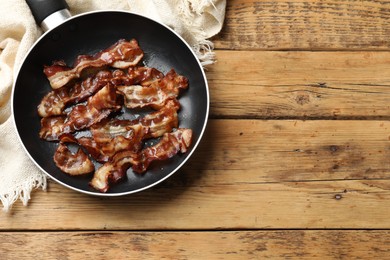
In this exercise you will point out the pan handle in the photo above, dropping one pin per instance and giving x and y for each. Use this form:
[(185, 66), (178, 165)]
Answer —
[(49, 13)]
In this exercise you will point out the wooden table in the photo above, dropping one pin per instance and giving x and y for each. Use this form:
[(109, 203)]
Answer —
[(295, 161)]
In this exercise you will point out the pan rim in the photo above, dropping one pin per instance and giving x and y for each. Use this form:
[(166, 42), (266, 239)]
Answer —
[(100, 194)]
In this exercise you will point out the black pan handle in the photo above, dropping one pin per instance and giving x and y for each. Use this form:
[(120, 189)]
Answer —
[(42, 9)]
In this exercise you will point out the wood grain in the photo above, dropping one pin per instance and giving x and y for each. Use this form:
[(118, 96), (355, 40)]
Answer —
[(196, 245), (247, 174), (306, 24), (285, 151), (309, 85)]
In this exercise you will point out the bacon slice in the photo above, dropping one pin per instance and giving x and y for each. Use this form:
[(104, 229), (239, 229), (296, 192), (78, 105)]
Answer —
[(73, 164), (55, 102), (155, 124), (155, 95), (80, 117), (162, 121), (106, 133), (111, 139), (169, 145), (122, 54), (88, 144), (150, 126), (52, 127), (113, 136), (118, 136), (98, 107), (144, 76), (115, 170)]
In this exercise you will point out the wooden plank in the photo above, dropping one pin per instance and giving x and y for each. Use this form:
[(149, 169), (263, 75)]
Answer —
[(348, 204), (197, 245), (306, 24), (246, 174), (285, 151), (332, 85)]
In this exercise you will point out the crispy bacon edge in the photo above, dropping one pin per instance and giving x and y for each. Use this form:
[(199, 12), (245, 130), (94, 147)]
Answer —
[(156, 94), (74, 164), (122, 54), (98, 107), (114, 171), (112, 136), (56, 100)]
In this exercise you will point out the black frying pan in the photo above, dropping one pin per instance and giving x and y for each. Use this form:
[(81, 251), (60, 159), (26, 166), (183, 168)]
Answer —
[(87, 34)]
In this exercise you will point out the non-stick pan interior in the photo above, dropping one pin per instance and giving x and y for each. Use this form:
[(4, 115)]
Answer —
[(88, 34)]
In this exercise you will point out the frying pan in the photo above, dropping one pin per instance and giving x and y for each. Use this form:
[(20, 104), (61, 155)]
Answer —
[(89, 33)]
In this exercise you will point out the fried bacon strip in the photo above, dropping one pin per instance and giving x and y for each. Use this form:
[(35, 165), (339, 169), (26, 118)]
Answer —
[(150, 126), (144, 76), (52, 128), (169, 145), (155, 95), (98, 107), (122, 54), (88, 144), (112, 136), (115, 170), (103, 146), (163, 120), (72, 164), (155, 124), (55, 102), (118, 135)]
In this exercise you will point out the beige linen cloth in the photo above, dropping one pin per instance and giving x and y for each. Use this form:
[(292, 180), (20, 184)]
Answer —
[(195, 20)]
